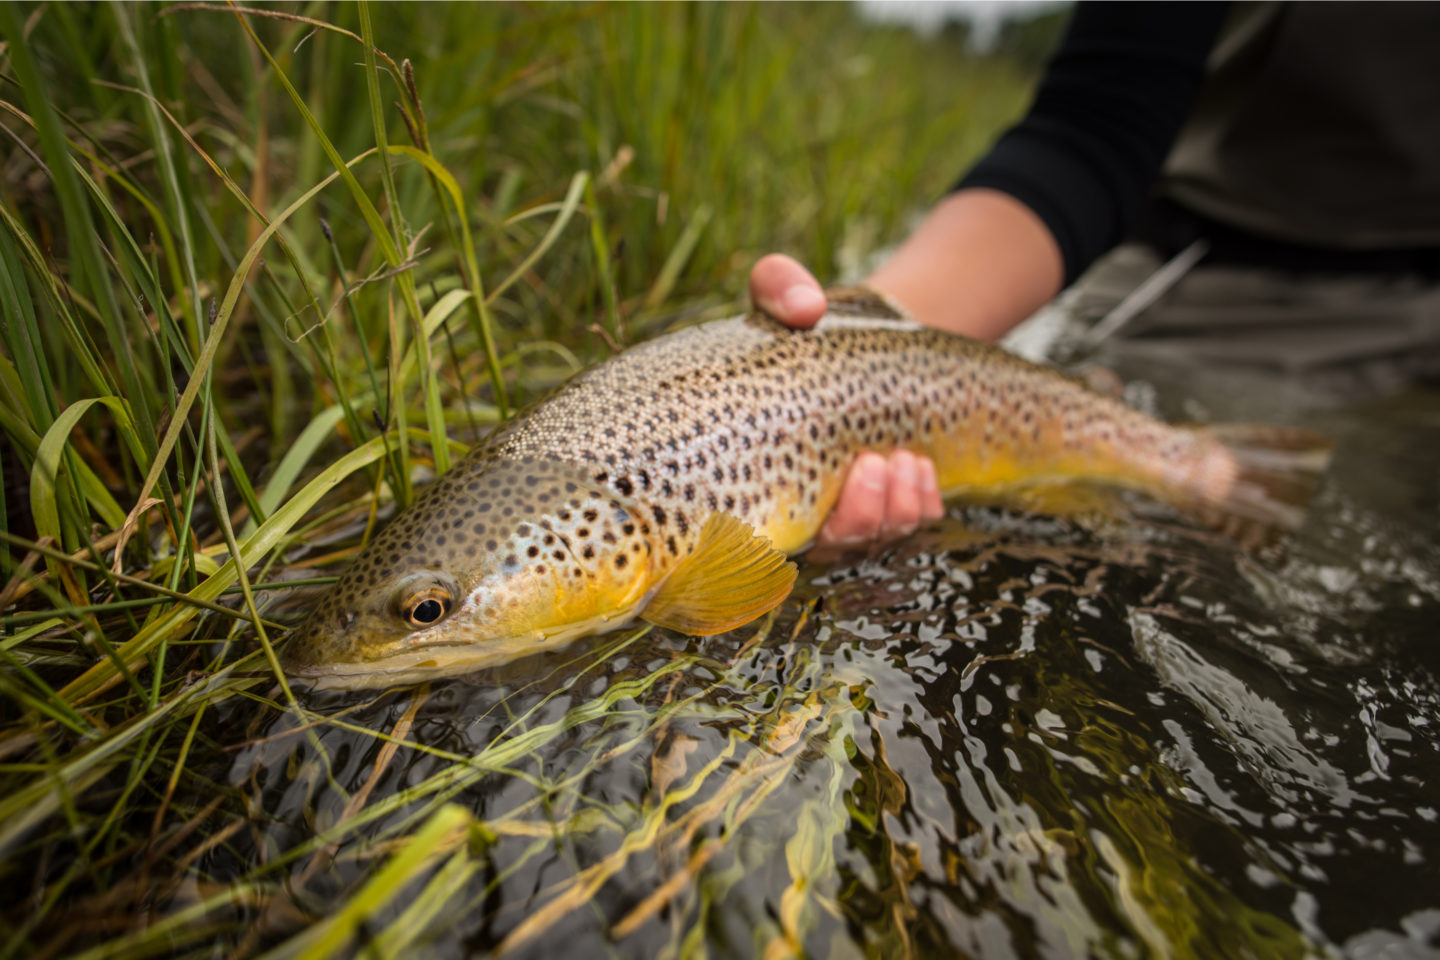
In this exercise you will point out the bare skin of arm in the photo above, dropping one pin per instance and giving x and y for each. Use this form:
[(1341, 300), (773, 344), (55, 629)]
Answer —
[(980, 263)]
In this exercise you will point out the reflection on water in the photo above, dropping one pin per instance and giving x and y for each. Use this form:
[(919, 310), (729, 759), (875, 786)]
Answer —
[(1012, 735)]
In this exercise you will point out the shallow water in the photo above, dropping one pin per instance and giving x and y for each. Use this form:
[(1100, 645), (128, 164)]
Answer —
[(1115, 733)]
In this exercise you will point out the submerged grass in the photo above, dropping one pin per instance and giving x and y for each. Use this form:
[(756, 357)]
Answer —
[(245, 255)]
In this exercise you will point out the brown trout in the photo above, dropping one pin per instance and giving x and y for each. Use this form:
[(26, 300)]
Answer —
[(671, 482)]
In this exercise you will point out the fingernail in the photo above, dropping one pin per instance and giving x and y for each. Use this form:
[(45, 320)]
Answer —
[(802, 299)]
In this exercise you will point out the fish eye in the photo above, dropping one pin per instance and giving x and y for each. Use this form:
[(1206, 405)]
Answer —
[(427, 607)]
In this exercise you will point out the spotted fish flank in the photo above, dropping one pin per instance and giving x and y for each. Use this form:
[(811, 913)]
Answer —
[(668, 482)]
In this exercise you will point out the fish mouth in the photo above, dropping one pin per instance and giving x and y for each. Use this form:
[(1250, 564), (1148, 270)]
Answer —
[(438, 660), (411, 666)]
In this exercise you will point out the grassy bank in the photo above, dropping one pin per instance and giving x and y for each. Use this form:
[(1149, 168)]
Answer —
[(262, 273)]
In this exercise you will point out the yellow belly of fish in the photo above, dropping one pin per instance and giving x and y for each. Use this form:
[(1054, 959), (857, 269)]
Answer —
[(974, 461), (793, 534), (965, 463)]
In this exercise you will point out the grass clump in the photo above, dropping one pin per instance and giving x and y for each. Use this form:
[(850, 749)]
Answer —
[(261, 272)]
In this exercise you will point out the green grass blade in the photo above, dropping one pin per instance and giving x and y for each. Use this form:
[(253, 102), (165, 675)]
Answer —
[(487, 332), (393, 255), (205, 360), (288, 469), (571, 202), (679, 256), (88, 258), (175, 200), (435, 838), (45, 498)]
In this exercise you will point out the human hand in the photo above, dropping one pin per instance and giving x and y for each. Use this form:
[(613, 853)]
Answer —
[(783, 288), (883, 498)]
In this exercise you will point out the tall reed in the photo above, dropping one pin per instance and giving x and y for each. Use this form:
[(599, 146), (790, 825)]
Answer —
[(264, 271)]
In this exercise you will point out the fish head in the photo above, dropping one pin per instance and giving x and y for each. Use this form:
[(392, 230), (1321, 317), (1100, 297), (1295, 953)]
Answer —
[(494, 561)]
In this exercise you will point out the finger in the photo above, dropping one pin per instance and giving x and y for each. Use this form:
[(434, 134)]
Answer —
[(930, 506), (783, 288), (1102, 380), (902, 496), (861, 508)]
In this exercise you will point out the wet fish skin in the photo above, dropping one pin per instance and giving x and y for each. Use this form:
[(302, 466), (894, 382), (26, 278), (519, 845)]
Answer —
[(571, 518)]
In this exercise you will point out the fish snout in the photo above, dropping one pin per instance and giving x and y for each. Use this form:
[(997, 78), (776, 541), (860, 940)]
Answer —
[(324, 637)]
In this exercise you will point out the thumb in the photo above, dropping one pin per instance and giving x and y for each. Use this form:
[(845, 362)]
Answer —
[(785, 290)]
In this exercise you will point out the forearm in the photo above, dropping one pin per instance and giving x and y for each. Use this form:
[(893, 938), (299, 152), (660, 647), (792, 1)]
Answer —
[(979, 264)]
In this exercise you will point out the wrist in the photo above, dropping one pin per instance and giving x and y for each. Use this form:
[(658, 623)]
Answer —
[(980, 263)]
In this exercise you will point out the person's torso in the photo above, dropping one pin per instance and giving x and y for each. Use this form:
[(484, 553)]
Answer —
[(1319, 123)]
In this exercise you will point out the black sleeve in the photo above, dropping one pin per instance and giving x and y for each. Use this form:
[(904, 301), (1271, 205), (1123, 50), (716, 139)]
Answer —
[(1109, 107)]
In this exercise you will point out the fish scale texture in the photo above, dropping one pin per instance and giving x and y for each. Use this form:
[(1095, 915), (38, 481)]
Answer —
[(751, 418), (583, 505)]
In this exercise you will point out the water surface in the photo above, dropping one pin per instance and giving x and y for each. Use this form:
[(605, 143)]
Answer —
[(1115, 732)]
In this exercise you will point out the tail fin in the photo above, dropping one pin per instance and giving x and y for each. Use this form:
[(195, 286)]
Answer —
[(1275, 473)]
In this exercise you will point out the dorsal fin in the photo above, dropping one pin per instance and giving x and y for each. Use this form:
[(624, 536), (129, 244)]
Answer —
[(862, 301), (733, 576)]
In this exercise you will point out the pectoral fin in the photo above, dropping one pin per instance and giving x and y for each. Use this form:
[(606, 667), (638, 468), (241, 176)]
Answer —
[(733, 576)]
